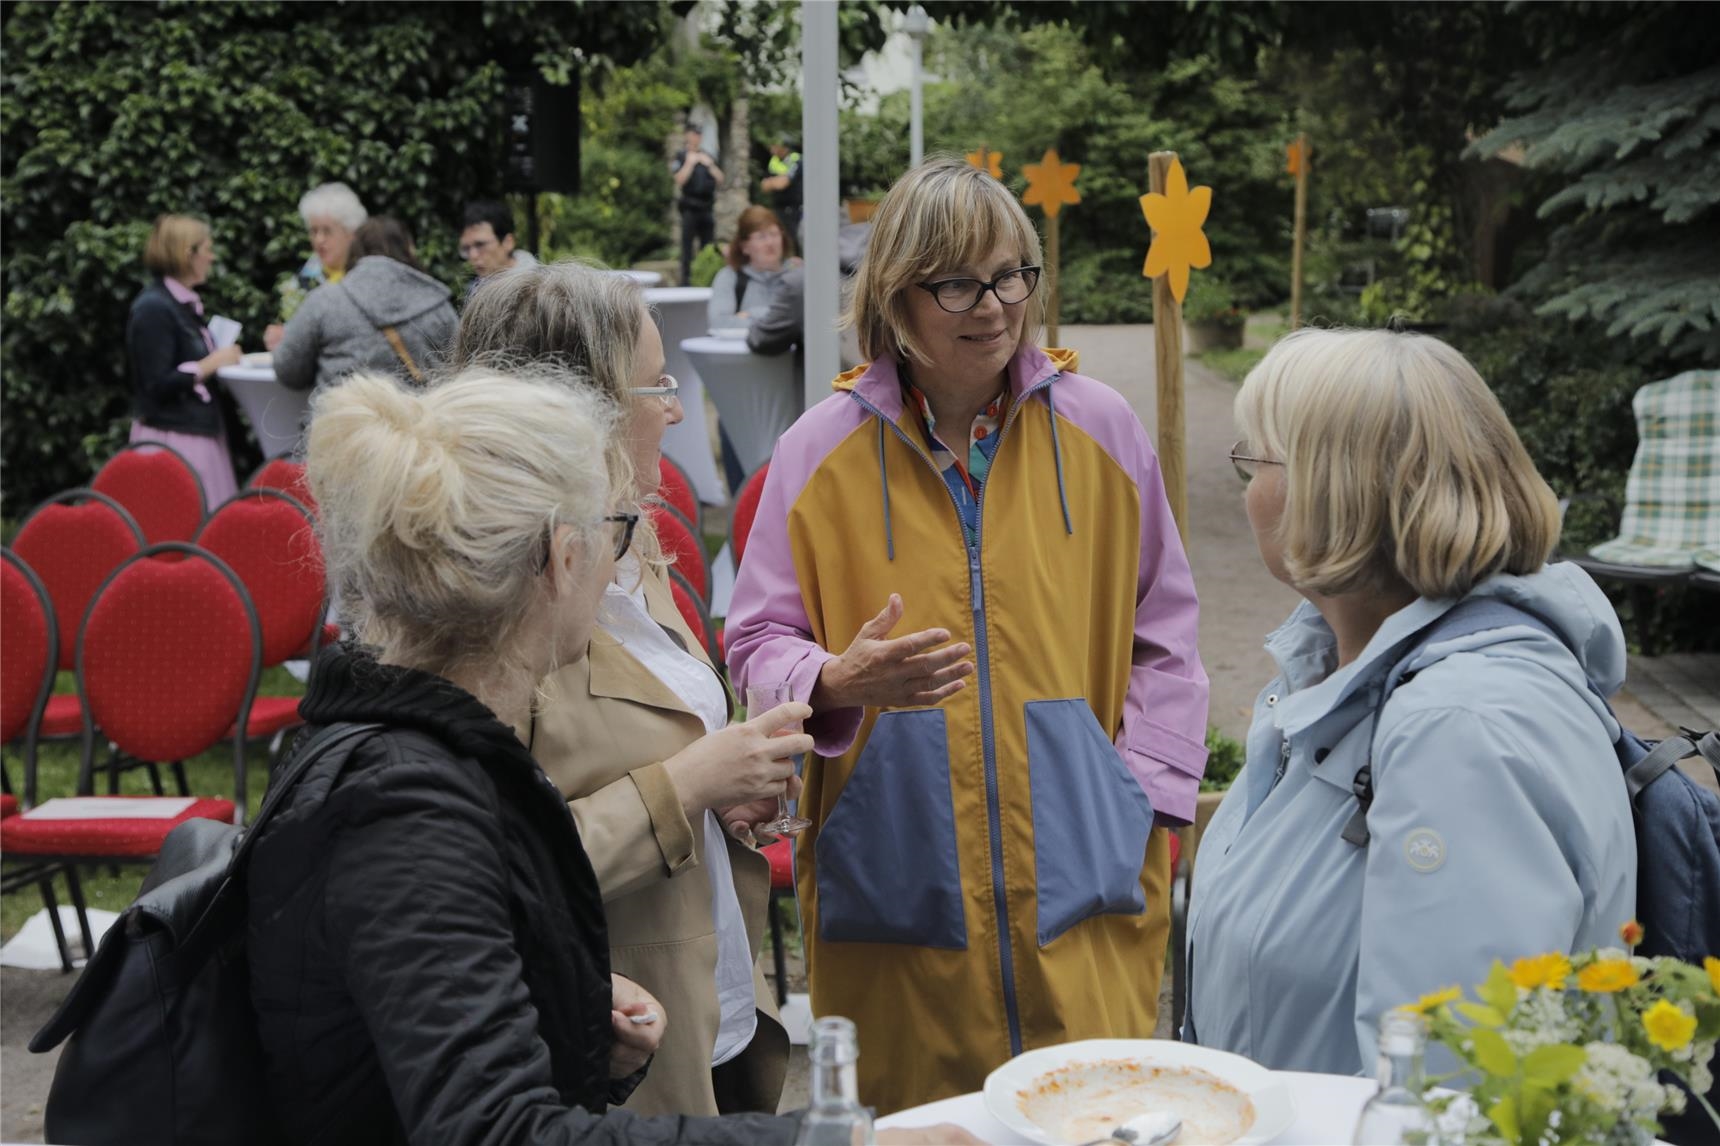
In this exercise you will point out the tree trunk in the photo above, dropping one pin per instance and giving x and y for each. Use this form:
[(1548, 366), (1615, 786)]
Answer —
[(735, 195)]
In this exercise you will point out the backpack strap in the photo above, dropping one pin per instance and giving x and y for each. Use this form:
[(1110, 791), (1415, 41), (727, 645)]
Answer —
[(1477, 615), (304, 754), (401, 353), (741, 280)]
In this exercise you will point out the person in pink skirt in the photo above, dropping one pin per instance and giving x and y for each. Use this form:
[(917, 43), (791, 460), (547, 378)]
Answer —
[(174, 359)]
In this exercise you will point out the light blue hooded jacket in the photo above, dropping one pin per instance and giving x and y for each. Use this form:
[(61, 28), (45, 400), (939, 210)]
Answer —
[(1500, 826)]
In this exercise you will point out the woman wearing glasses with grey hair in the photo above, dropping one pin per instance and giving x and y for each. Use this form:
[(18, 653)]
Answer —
[(637, 734), (965, 563)]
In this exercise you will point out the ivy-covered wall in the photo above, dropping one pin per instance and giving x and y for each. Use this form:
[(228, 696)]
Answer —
[(112, 113)]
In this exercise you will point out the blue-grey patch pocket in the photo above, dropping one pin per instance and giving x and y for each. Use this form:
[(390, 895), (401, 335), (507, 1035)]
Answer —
[(1090, 819), (886, 854)]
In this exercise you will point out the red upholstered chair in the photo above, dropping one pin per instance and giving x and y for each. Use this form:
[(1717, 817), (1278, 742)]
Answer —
[(158, 488), (746, 509), (287, 476), (676, 490), (8, 805), (29, 657), (168, 660), (681, 543), (269, 540), (693, 611), (73, 541), (781, 857)]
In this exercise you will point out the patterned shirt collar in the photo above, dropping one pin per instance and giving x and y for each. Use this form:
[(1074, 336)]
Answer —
[(975, 462)]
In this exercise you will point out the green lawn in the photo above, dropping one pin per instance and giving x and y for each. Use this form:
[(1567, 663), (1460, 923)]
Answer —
[(1262, 332), (210, 774)]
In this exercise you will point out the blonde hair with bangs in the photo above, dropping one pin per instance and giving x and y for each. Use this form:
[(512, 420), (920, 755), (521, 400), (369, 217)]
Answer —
[(942, 215), (1400, 465), (171, 241)]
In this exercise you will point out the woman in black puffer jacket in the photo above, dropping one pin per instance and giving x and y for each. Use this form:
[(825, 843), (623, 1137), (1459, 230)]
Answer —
[(427, 946)]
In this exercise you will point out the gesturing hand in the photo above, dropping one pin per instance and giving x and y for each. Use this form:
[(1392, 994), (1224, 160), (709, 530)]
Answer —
[(905, 672), (635, 1042)]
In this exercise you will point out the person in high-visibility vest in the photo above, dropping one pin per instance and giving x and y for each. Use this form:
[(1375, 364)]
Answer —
[(783, 183)]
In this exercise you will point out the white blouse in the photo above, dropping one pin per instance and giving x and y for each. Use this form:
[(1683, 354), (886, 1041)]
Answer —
[(625, 617)]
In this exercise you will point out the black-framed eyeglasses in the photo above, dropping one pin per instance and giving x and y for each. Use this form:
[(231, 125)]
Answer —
[(958, 296), (627, 522), (1245, 462)]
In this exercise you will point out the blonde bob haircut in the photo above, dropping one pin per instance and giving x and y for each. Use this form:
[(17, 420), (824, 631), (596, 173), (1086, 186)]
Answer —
[(1400, 465), (938, 218), (171, 241), (436, 506)]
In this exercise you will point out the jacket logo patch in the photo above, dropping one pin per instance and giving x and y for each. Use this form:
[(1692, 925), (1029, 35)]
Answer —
[(1425, 850)]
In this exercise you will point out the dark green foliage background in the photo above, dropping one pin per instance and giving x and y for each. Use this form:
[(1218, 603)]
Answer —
[(112, 113)]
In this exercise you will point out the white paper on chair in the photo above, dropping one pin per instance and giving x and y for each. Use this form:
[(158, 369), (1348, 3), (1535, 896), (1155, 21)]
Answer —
[(110, 808), (224, 330)]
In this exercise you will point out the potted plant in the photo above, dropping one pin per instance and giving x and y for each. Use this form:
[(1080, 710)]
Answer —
[(1211, 318)]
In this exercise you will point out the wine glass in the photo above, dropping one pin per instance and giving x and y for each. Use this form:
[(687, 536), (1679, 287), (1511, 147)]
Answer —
[(761, 698)]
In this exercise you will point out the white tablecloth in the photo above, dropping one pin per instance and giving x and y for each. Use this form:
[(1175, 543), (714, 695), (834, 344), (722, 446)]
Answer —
[(680, 314), (757, 396), (643, 278), (277, 414), (1326, 1110)]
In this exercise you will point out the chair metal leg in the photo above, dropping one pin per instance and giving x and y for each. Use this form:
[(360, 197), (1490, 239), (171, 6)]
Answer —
[(154, 778), (1179, 952), (53, 906), (777, 953), (1643, 603), (178, 767), (113, 769), (75, 890)]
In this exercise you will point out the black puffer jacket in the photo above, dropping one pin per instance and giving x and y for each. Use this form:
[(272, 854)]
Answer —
[(428, 956)]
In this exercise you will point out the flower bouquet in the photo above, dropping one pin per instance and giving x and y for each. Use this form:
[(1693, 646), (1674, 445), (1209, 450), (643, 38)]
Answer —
[(291, 293), (1564, 1049)]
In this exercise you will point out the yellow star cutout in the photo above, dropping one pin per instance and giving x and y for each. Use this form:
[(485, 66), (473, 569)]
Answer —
[(1051, 183), (990, 162), (1176, 218)]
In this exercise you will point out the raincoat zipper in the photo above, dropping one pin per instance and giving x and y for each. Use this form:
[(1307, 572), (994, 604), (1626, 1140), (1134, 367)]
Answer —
[(988, 736)]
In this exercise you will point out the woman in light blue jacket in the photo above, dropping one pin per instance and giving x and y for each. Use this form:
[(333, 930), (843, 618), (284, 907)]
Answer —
[(1386, 485)]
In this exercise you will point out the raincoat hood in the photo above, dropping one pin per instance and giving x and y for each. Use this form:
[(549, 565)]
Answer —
[(389, 293)]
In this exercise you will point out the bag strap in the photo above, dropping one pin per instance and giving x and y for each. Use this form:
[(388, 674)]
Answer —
[(401, 353), (741, 280), (304, 754)]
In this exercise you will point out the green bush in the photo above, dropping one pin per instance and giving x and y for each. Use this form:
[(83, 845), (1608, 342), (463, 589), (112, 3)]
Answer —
[(1210, 299), (705, 266), (1224, 760), (113, 113)]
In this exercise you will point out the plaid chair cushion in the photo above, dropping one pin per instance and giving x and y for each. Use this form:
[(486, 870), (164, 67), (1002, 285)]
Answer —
[(122, 838), (1672, 497)]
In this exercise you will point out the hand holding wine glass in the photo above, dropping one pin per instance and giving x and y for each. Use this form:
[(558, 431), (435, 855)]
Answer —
[(764, 697)]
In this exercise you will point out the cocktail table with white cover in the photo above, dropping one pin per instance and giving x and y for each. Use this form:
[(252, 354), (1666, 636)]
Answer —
[(757, 396), (1326, 1110), (277, 414), (681, 314)]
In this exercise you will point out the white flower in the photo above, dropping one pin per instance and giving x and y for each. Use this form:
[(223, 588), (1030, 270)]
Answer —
[(1618, 1081)]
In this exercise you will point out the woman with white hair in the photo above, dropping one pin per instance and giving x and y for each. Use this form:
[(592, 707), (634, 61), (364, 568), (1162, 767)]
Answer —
[(428, 956), (1385, 843), (332, 214)]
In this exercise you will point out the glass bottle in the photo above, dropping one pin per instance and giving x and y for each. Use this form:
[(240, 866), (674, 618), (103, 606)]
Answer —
[(1396, 1114), (835, 1116)]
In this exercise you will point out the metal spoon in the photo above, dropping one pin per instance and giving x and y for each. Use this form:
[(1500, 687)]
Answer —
[(1128, 1134)]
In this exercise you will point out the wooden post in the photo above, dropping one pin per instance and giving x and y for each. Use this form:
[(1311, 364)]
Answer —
[(1168, 357), (1053, 272), (1301, 231)]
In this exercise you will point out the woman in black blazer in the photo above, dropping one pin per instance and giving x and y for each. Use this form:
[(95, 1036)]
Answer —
[(173, 357)]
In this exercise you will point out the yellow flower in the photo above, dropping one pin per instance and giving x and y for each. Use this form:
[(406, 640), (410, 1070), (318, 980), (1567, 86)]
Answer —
[(1438, 999), (1712, 966), (1668, 1027), (1176, 218), (1549, 970), (1050, 183), (991, 162), (1604, 976)]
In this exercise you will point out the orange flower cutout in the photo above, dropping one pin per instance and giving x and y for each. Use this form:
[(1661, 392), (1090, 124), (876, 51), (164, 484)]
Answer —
[(1295, 157), (1176, 218), (1050, 183), (991, 162)]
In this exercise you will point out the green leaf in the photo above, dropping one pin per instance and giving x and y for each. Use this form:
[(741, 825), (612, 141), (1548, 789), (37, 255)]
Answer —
[(1493, 1054), (1551, 1065), (1499, 992), (1481, 1015), (1503, 1114)]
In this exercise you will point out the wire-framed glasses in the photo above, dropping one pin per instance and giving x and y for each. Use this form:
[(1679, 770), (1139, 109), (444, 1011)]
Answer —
[(666, 391), (958, 296), (1246, 464)]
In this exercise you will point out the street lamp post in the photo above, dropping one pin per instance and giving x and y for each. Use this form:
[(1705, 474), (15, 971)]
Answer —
[(916, 25)]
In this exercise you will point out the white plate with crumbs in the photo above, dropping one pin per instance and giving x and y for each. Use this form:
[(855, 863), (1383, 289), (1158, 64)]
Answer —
[(1079, 1091)]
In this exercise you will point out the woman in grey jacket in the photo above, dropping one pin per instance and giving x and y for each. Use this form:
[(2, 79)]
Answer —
[(385, 315), (1386, 485)]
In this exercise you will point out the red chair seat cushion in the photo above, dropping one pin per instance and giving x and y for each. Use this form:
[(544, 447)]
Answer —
[(781, 857), (270, 714), (22, 835), (63, 716), (8, 805)]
